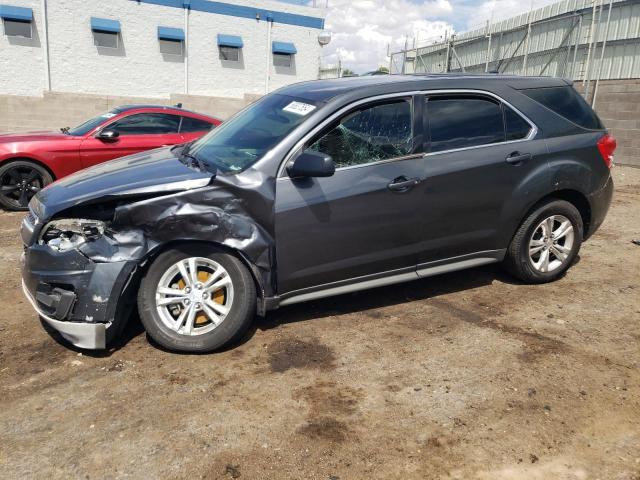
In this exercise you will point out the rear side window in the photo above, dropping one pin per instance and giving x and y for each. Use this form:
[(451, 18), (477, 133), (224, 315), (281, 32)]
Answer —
[(194, 125), (568, 103), (460, 122)]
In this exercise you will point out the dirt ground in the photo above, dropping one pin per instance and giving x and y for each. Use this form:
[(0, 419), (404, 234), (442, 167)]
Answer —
[(465, 376)]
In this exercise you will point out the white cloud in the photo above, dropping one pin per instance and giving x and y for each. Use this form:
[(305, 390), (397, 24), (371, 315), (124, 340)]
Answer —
[(364, 30)]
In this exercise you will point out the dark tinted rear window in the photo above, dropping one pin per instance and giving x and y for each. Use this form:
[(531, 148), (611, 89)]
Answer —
[(460, 122), (568, 103), (194, 125)]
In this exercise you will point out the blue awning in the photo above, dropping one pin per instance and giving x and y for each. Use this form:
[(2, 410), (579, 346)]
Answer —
[(284, 47), (168, 33), (105, 25), (230, 41), (18, 14)]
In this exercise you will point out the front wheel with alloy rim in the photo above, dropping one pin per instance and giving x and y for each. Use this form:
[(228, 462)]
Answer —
[(20, 180), (546, 244), (196, 299)]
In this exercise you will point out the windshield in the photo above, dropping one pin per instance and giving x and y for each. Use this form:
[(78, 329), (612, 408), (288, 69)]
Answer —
[(89, 125), (249, 135)]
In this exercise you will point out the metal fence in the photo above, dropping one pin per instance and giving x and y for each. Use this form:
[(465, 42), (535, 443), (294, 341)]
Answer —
[(585, 40)]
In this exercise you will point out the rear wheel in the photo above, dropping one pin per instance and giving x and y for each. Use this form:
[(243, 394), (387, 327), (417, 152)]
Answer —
[(546, 244), (20, 180), (196, 299)]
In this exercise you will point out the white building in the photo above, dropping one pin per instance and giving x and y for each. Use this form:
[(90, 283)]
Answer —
[(156, 48)]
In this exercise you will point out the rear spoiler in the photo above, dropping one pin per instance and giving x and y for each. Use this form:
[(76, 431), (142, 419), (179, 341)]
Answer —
[(524, 83)]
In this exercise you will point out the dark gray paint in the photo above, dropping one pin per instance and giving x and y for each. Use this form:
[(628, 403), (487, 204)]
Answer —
[(308, 235)]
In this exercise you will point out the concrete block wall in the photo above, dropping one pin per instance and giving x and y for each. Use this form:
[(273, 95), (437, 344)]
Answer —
[(618, 106), (60, 109)]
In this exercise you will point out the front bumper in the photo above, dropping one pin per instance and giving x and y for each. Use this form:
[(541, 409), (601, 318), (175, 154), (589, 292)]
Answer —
[(82, 335), (73, 294)]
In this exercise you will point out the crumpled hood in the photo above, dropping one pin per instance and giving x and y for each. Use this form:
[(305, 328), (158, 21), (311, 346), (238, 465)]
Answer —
[(156, 171)]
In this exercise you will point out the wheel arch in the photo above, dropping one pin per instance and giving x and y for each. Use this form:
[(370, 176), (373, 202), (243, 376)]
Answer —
[(574, 197), (149, 258), (25, 158)]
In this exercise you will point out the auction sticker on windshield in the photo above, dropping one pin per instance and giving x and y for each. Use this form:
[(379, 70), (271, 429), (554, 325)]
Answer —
[(299, 108)]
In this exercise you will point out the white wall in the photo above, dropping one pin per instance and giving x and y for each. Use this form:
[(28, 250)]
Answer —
[(137, 68), (21, 60)]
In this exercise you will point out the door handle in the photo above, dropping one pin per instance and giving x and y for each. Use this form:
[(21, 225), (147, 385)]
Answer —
[(516, 158), (402, 184)]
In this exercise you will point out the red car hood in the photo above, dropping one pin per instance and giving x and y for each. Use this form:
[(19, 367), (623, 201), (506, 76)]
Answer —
[(31, 136)]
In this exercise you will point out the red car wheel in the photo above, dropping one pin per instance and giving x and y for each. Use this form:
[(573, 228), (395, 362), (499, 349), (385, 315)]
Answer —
[(20, 180)]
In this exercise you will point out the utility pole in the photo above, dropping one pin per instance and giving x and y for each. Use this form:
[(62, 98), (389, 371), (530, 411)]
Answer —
[(268, 66)]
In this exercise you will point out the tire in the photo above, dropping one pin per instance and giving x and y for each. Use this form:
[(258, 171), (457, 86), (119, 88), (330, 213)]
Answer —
[(14, 196), (172, 325), (525, 256)]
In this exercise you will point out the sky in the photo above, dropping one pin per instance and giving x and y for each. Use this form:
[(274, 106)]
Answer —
[(362, 30)]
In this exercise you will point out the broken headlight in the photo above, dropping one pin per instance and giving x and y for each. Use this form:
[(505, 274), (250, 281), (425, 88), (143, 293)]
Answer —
[(64, 235)]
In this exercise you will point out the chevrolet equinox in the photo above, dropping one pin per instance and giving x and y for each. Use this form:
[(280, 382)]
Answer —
[(319, 189)]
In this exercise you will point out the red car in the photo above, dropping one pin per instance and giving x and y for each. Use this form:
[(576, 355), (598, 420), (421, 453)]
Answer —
[(30, 161)]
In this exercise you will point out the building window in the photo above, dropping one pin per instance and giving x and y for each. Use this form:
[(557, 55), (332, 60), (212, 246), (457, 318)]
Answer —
[(13, 28), (229, 54), (171, 47), (105, 39), (17, 21), (283, 53), (229, 47), (106, 32), (171, 41), (282, 60)]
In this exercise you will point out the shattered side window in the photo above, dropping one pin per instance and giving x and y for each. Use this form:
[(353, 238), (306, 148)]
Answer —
[(374, 133)]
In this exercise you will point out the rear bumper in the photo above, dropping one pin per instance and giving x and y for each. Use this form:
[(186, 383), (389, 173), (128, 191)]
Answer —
[(600, 202)]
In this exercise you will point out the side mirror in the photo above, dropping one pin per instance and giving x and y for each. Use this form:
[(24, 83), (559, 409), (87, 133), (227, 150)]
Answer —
[(311, 164), (107, 135)]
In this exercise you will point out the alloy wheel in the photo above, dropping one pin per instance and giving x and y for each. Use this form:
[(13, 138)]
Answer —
[(19, 184), (194, 296), (551, 243)]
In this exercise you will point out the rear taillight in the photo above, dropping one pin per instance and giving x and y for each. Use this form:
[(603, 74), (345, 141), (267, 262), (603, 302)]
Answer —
[(607, 145)]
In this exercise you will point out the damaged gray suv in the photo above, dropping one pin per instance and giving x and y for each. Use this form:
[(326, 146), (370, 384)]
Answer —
[(319, 189)]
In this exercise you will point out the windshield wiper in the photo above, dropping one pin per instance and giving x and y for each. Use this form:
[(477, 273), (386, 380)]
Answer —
[(65, 130), (195, 161)]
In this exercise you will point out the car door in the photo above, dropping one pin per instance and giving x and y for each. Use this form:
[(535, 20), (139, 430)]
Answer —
[(482, 163), (134, 133), (362, 220)]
